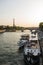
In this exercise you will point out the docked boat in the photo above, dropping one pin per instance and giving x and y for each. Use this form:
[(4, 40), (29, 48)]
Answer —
[(32, 51), (33, 37), (33, 31), (2, 31), (24, 39)]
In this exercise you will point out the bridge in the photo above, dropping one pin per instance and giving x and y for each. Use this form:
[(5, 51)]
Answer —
[(31, 28)]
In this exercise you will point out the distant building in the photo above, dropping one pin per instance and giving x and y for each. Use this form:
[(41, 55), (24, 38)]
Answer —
[(13, 22), (14, 25)]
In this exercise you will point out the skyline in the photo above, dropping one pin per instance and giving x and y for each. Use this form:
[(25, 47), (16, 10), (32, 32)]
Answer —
[(10, 23), (26, 12)]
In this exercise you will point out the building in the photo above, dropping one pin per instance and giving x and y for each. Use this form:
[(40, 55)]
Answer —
[(13, 22)]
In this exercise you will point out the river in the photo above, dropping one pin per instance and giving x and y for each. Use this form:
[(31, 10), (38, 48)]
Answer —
[(9, 53)]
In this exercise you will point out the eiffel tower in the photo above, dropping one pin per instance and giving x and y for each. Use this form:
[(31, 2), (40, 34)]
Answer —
[(13, 22)]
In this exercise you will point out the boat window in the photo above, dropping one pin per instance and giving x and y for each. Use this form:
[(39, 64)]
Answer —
[(24, 38), (35, 41), (33, 36), (33, 44)]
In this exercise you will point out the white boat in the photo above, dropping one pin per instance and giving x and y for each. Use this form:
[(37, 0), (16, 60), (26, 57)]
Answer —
[(33, 37), (24, 39), (32, 51), (33, 31)]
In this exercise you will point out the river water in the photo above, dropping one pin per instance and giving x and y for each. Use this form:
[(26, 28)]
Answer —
[(9, 52)]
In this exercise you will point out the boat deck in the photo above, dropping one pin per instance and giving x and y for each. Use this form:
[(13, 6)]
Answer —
[(35, 45)]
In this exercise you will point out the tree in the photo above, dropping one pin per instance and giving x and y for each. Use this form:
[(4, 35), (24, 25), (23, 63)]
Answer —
[(41, 26)]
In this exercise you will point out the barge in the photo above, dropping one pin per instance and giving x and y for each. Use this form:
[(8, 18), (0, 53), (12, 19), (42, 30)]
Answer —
[(23, 40), (32, 51)]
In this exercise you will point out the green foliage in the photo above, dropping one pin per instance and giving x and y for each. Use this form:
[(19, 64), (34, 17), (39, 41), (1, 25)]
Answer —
[(41, 26), (1, 27)]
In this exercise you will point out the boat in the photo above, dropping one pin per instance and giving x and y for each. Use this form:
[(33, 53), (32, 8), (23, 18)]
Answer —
[(33, 37), (23, 40), (2, 31), (32, 52), (33, 31), (22, 30)]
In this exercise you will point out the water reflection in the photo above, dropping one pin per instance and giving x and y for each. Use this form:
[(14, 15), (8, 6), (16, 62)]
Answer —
[(9, 54)]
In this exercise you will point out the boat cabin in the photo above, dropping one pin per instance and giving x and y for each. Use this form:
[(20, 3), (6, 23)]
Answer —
[(25, 37)]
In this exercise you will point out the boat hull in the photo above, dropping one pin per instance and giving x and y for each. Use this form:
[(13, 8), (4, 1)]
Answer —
[(32, 60)]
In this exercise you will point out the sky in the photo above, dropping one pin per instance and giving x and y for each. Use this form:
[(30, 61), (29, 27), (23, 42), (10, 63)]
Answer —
[(25, 12)]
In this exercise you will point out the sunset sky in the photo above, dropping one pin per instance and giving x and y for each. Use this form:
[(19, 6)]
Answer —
[(26, 12)]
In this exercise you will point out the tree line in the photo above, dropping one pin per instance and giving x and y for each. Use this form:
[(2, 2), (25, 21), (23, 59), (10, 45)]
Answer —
[(41, 26), (11, 28)]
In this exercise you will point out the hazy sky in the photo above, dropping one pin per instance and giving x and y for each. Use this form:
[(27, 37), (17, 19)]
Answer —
[(25, 12)]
